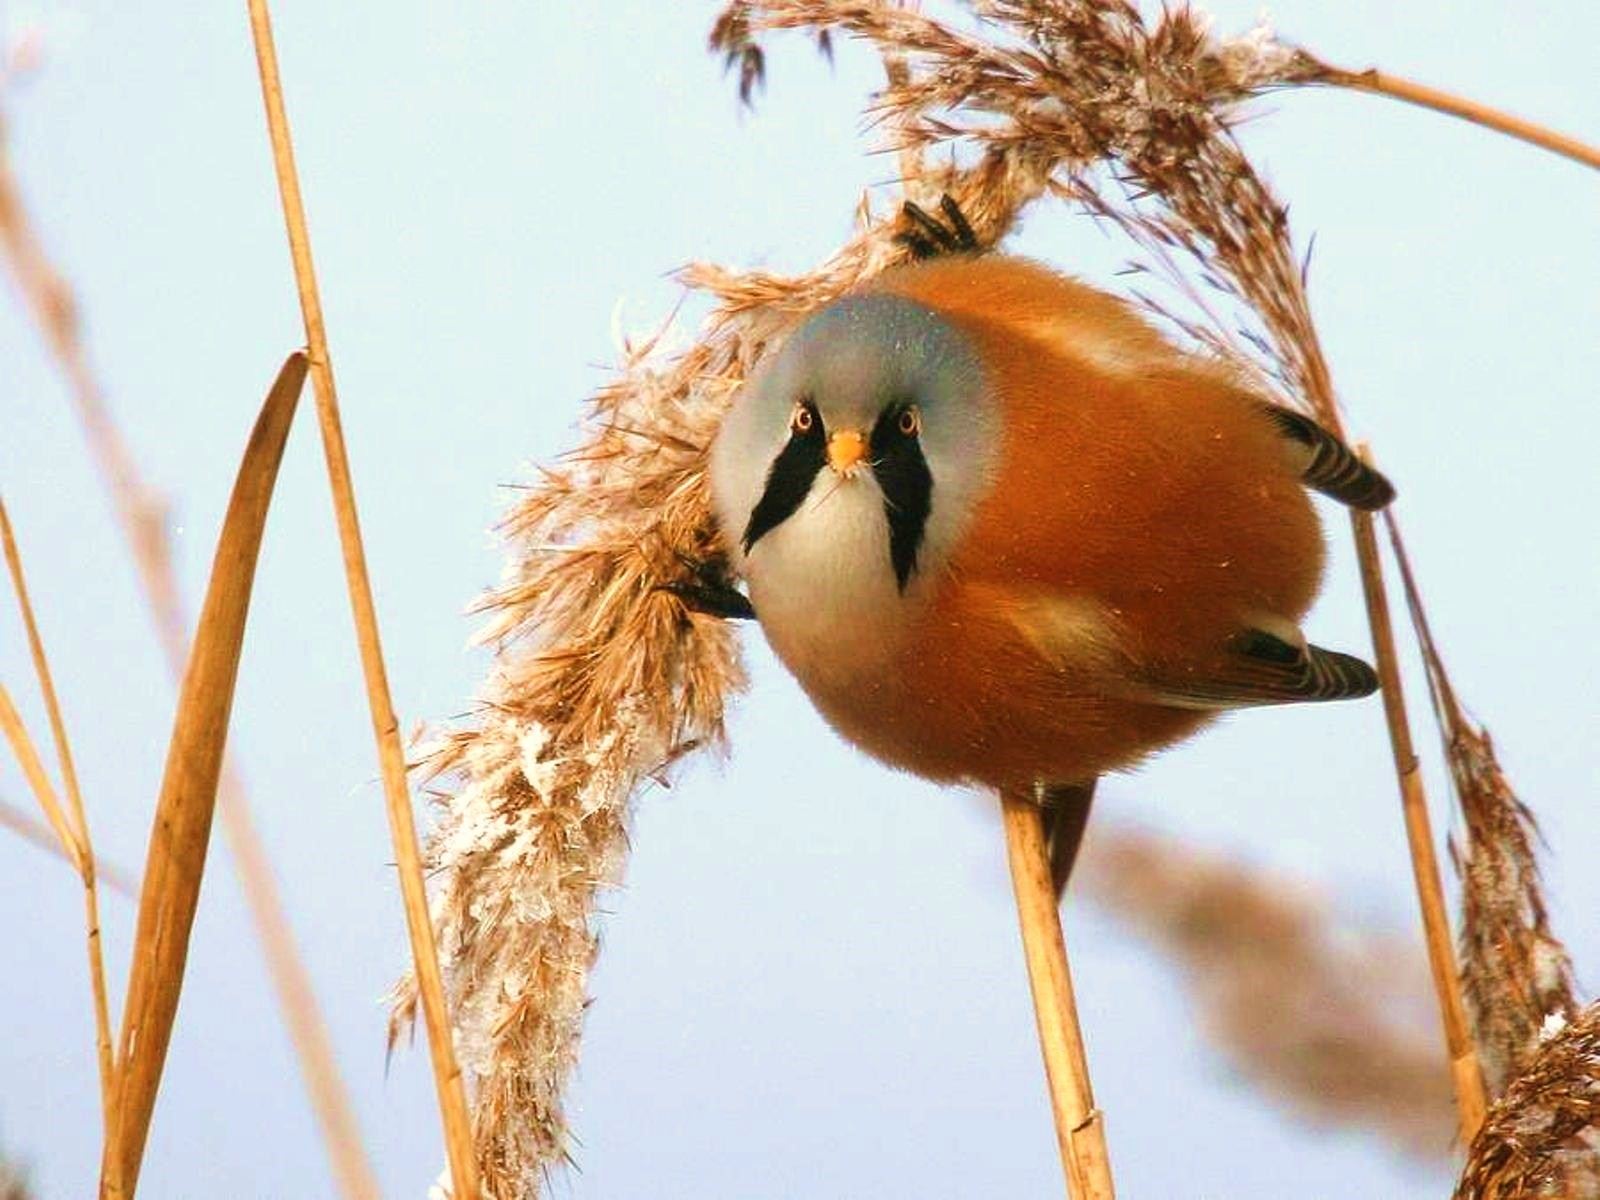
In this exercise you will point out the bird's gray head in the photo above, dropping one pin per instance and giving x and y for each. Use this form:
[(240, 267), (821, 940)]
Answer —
[(853, 459)]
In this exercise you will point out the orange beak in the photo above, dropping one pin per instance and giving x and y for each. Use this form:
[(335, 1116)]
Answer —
[(846, 449)]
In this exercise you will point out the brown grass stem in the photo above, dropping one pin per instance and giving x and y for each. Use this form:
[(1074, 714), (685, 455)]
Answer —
[(391, 757), (1080, 1126), (85, 861), (35, 832), (1466, 1073), (1382, 83), (27, 756), (181, 833), (142, 515)]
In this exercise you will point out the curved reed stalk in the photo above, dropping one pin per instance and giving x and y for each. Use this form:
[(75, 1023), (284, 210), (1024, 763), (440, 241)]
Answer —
[(1382, 83), (1466, 1073)]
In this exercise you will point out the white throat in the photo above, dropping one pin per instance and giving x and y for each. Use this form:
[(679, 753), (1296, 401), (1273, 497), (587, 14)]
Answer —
[(823, 586)]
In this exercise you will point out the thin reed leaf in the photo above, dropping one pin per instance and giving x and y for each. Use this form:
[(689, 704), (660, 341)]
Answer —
[(180, 836), (86, 859), (27, 756)]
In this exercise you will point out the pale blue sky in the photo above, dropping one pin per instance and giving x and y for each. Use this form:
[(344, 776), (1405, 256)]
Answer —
[(811, 986)]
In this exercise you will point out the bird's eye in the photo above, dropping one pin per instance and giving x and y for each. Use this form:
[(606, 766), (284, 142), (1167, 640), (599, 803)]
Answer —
[(803, 420), (910, 422)]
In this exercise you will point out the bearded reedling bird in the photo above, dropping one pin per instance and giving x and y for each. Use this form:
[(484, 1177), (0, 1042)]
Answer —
[(1004, 533)]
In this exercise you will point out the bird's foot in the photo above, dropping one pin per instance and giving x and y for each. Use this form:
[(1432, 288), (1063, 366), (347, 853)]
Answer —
[(708, 589), (929, 237)]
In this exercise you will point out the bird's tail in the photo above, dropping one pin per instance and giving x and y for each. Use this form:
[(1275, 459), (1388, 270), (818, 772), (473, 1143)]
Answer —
[(1066, 813)]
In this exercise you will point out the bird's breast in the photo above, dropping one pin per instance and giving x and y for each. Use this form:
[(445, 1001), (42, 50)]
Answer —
[(824, 586)]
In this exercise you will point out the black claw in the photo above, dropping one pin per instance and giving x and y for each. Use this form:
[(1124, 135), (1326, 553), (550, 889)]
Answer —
[(919, 246), (966, 239), (709, 590), (932, 237)]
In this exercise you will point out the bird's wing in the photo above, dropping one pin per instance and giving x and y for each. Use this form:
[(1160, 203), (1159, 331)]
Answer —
[(1329, 466), (1258, 667), (1066, 630), (1264, 663)]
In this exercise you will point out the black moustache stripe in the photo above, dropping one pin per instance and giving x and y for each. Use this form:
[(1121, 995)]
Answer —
[(907, 486), (788, 482)]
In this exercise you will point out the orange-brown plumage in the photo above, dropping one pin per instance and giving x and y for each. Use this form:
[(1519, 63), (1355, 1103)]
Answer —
[(1134, 547), (1159, 489)]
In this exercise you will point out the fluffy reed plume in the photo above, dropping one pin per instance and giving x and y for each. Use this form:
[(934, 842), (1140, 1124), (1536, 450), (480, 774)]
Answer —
[(1515, 974), (603, 679), (1542, 1137), (1350, 1038)]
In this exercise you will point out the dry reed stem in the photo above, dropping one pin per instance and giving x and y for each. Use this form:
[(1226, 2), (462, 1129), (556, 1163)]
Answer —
[(30, 829), (1516, 975), (181, 832), (27, 756), (1467, 1074), (397, 794), (86, 859), (1080, 1126), (142, 516), (1351, 1038), (1384, 84), (1542, 1137)]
